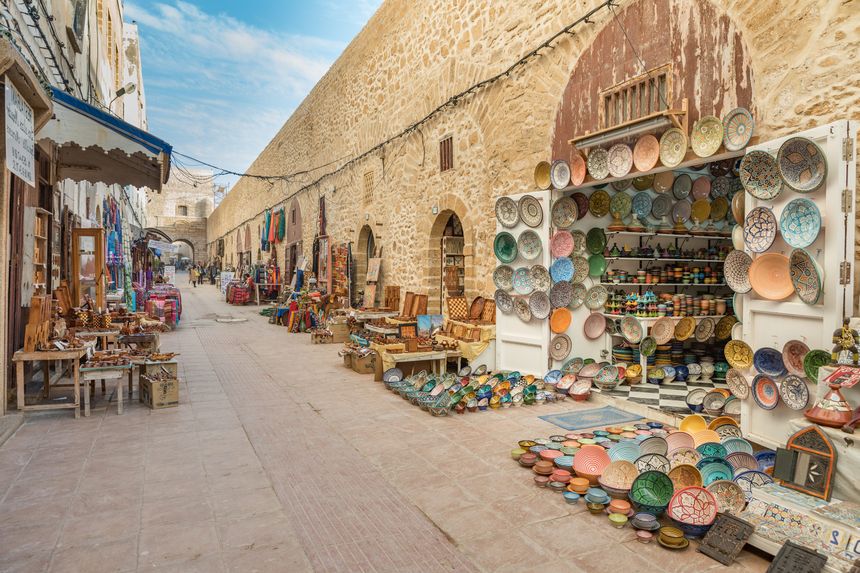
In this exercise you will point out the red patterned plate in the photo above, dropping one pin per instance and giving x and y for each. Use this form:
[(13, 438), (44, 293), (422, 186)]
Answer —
[(693, 506), (765, 392)]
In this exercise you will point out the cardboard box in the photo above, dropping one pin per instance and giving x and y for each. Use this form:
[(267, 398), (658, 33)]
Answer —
[(347, 360), (340, 332), (148, 368), (364, 364), (158, 394)]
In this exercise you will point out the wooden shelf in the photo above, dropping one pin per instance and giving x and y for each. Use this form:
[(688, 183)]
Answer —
[(665, 260)]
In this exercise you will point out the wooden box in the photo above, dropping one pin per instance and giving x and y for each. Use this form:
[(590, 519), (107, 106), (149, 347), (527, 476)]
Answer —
[(340, 332), (158, 394), (364, 364), (347, 360), (149, 367)]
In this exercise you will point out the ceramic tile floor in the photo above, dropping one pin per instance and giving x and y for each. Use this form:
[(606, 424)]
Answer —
[(279, 459)]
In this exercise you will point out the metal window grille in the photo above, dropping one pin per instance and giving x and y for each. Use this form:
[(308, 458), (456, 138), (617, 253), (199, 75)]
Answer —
[(636, 98), (446, 154), (368, 187)]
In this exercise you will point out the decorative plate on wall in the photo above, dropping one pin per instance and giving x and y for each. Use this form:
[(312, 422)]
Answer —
[(540, 277), (707, 136), (685, 328), (813, 361), (506, 212), (596, 297), (539, 305), (663, 182), (738, 126), (564, 213), (738, 354), (596, 265), (561, 244), (681, 212), (577, 169), (663, 330), (793, 354), (682, 186), (739, 206), (794, 392), (577, 295), (598, 163), (661, 206), (503, 277), (759, 175), (578, 241), (594, 326), (719, 209), (646, 152), (760, 229), (802, 164), (559, 174), (800, 223), (531, 212), (643, 182), (529, 245), (631, 329), (806, 277), (737, 383), (620, 160), (620, 205), (523, 281), (505, 247), (700, 210), (768, 361), (561, 269), (770, 276), (542, 178), (521, 307), (598, 203), (504, 302), (560, 294), (582, 207), (560, 320), (673, 147), (559, 347), (595, 240), (641, 204), (765, 392), (580, 269), (701, 188), (721, 187), (705, 329)]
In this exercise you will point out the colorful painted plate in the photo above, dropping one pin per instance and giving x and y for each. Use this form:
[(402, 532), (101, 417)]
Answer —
[(729, 496), (560, 293), (580, 269), (531, 212), (765, 392), (760, 176), (652, 462), (707, 136), (541, 174), (577, 169), (682, 186), (564, 213), (661, 206), (505, 247), (598, 203), (506, 212), (521, 307), (539, 305), (559, 347), (561, 244), (751, 480), (503, 277), (646, 152), (561, 269), (631, 329), (596, 265), (620, 205), (800, 223), (738, 126), (647, 346), (578, 241), (806, 277), (596, 297), (705, 329), (598, 163), (793, 354), (770, 277), (663, 330), (684, 455), (738, 354), (523, 281), (641, 205), (620, 160), (802, 164), (768, 361), (760, 229), (719, 209), (664, 181), (794, 392), (504, 302), (685, 328), (737, 383), (673, 147), (723, 330), (814, 360), (540, 277), (559, 174), (577, 295)]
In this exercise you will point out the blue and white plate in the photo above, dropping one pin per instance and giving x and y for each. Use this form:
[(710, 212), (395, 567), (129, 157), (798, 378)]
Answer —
[(760, 229), (751, 480), (523, 281), (561, 269), (769, 361), (794, 392), (800, 223)]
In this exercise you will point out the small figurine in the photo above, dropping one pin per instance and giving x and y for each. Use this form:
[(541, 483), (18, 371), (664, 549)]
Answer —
[(846, 341)]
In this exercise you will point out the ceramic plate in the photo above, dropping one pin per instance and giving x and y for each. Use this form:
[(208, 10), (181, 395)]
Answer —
[(751, 480), (765, 392), (673, 147), (685, 328), (800, 223), (564, 213), (622, 185), (523, 281), (721, 187), (793, 354), (794, 392), (661, 206), (598, 203), (760, 229), (646, 152), (598, 163), (560, 320), (759, 175), (542, 178), (561, 244), (652, 462), (578, 241), (596, 265), (561, 269), (663, 330), (739, 206), (682, 186), (737, 383), (596, 297), (701, 210), (738, 237), (580, 269), (529, 245), (506, 212), (641, 204), (560, 294), (802, 164), (738, 127), (594, 326), (681, 212), (723, 330), (539, 305), (559, 174), (540, 277), (631, 329), (582, 207), (577, 295), (648, 346), (705, 329), (737, 271), (738, 354), (521, 307), (620, 205), (664, 181), (505, 247), (504, 302), (814, 360), (531, 212), (770, 277), (730, 496), (503, 277), (768, 361), (806, 277), (559, 347), (620, 160), (577, 169), (719, 209), (595, 240), (643, 182), (707, 136), (701, 188)]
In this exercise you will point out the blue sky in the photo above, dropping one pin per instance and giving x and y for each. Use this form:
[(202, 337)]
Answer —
[(222, 76)]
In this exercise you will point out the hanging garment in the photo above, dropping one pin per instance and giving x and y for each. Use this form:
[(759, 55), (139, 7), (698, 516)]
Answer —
[(273, 227), (282, 225)]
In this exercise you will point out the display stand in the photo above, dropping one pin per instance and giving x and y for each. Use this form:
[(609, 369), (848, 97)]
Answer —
[(20, 359)]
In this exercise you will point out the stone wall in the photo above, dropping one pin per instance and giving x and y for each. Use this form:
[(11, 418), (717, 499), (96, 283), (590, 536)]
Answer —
[(413, 56), (165, 210)]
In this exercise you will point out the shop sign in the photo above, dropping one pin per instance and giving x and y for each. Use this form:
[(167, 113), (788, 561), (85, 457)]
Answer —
[(20, 135), (162, 246), (226, 277), (170, 274)]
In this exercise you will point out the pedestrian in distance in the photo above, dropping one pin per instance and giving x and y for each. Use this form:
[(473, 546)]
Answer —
[(192, 276)]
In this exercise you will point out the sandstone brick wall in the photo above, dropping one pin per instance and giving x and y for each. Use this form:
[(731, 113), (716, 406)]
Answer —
[(412, 56), (199, 200)]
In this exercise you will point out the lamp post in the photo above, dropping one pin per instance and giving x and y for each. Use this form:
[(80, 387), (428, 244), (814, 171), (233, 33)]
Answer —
[(128, 88)]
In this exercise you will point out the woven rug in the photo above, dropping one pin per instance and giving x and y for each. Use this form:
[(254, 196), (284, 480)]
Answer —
[(582, 419)]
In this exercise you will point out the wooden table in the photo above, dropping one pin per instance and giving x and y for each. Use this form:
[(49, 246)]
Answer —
[(20, 358), (107, 373)]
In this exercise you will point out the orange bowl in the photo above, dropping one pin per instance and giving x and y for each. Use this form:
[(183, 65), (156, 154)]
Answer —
[(560, 320), (770, 276)]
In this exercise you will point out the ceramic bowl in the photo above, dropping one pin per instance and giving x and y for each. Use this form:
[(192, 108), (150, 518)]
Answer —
[(802, 164), (595, 508), (643, 536), (651, 492), (695, 399), (571, 497), (618, 520), (770, 276)]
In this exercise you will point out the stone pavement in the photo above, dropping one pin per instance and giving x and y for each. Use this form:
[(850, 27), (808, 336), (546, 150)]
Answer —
[(279, 459)]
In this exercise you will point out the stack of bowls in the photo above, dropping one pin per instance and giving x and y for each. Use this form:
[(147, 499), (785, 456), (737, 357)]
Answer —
[(578, 485), (672, 538), (645, 522), (571, 497)]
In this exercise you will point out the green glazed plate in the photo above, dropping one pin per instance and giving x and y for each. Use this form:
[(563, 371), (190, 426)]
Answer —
[(596, 265), (595, 240), (814, 360), (505, 247)]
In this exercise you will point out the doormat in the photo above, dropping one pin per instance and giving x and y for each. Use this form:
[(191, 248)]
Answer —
[(582, 419)]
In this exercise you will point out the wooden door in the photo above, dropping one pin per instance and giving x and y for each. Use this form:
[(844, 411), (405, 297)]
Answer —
[(88, 265), (15, 323)]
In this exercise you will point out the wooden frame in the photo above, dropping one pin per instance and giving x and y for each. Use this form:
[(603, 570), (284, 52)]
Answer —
[(98, 237), (796, 446)]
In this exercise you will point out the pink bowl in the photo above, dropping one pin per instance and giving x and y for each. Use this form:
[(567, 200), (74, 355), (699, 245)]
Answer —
[(594, 326), (590, 461)]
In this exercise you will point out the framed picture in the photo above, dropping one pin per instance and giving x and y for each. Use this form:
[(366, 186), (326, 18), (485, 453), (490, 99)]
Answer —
[(425, 325), (408, 330), (373, 266)]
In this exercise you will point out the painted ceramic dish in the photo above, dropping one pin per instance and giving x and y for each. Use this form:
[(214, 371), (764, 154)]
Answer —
[(760, 229), (631, 329), (560, 294), (540, 277), (806, 277), (539, 305), (521, 307), (759, 175), (652, 462), (653, 445), (647, 346), (523, 281), (596, 265), (560, 320), (679, 439), (577, 295), (646, 152), (594, 326), (800, 223), (590, 461), (794, 392), (723, 330), (729, 496), (705, 329), (738, 126), (768, 361), (701, 210), (673, 147), (578, 169), (707, 136), (503, 277), (564, 213), (681, 212), (582, 208), (542, 175), (750, 480), (561, 244), (620, 205), (738, 354), (682, 187), (580, 269), (685, 475), (738, 237), (663, 330), (814, 360), (531, 212), (578, 241), (598, 163), (736, 270), (651, 492), (561, 269), (559, 174), (770, 278), (684, 455), (661, 206), (793, 354), (598, 203), (802, 164), (643, 182), (596, 297), (765, 392), (559, 347), (739, 206), (505, 247), (620, 160), (595, 240), (506, 212), (664, 181), (719, 209), (701, 188), (693, 505), (641, 205), (504, 302), (737, 384), (737, 444), (529, 245)]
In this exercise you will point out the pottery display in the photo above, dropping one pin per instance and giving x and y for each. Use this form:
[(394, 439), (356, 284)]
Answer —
[(506, 212), (661, 206), (589, 462), (663, 182), (832, 409), (598, 163), (759, 175), (738, 354), (652, 462), (793, 353), (707, 136), (770, 277), (620, 205), (794, 393), (801, 164), (705, 329), (673, 147), (578, 169), (529, 245), (582, 206), (646, 152), (598, 203), (564, 213), (539, 305), (580, 269), (559, 174), (503, 277), (641, 204), (765, 392), (505, 247), (596, 265), (620, 160), (693, 505), (577, 295), (749, 480), (651, 492), (682, 187), (739, 206), (631, 329), (806, 276), (738, 126), (800, 223), (760, 228), (681, 212), (542, 175), (531, 212), (768, 361)]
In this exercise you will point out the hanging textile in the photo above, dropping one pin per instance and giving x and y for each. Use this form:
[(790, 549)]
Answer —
[(282, 224), (265, 242), (273, 227)]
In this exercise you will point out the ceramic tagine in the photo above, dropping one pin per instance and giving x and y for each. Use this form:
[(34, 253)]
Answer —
[(832, 410)]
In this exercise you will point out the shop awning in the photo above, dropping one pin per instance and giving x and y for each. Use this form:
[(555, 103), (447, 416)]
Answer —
[(97, 146)]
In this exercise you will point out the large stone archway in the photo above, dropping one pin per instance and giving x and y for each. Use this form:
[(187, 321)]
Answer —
[(192, 232)]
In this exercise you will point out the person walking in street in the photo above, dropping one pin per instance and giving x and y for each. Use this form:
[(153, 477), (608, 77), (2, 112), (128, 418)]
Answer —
[(200, 271), (192, 275)]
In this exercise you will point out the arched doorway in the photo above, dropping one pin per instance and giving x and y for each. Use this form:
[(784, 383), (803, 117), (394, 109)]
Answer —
[(447, 254), (184, 255), (293, 239), (364, 251)]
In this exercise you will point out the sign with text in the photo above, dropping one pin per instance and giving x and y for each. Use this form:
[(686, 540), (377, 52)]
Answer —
[(226, 277), (20, 135), (170, 274), (163, 246)]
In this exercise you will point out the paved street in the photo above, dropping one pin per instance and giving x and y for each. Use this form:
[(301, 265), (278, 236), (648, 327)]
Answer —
[(279, 459)]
